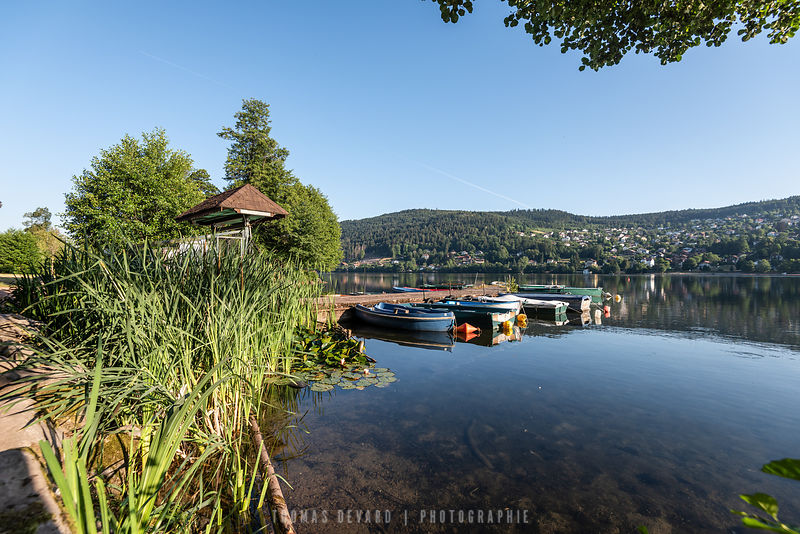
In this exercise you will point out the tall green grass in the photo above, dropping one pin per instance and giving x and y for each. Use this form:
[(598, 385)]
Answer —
[(170, 323)]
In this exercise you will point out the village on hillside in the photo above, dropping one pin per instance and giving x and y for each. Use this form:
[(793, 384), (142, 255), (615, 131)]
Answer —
[(770, 242)]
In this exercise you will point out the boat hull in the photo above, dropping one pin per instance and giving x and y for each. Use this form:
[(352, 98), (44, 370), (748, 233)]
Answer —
[(534, 308), (487, 317), (596, 293), (508, 306), (405, 318), (403, 289), (575, 303)]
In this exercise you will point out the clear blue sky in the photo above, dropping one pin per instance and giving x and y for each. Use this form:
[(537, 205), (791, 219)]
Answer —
[(384, 107)]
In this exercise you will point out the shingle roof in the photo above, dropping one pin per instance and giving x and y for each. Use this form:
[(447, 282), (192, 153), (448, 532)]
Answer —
[(245, 197)]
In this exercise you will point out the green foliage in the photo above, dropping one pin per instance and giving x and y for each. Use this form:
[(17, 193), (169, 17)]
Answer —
[(136, 506), (38, 219), (786, 468), (311, 231), (605, 31), (333, 348), (763, 266), (215, 325), (253, 156), (539, 240), (202, 179), (48, 239), (19, 252), (133, 191)]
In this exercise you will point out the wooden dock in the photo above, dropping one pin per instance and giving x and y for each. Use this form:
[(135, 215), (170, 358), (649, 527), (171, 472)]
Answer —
[(342, 303)]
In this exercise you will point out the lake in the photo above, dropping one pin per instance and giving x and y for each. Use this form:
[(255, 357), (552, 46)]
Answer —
[(660, 415)]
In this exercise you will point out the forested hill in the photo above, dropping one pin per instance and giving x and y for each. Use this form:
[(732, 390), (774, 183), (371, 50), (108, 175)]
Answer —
[(503, 237), (562, 219)]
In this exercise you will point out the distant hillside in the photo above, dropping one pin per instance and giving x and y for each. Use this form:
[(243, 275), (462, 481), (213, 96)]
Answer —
[(501, 238)]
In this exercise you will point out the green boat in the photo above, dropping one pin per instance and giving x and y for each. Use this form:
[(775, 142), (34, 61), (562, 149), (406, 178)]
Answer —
[(595, 292)]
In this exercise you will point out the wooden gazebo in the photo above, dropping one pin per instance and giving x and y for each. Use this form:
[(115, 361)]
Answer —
[(232, 214)]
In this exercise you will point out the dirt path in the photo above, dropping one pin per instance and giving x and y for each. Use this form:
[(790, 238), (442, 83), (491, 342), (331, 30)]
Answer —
[(27, 502)]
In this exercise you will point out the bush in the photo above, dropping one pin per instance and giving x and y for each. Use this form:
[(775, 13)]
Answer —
[(19, 252)]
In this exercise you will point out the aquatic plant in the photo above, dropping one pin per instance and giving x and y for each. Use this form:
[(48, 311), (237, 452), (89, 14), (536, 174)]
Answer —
[(332, 357), (786, 468)]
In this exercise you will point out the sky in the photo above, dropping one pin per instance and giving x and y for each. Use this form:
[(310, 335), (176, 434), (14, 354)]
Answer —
[(384, 107)]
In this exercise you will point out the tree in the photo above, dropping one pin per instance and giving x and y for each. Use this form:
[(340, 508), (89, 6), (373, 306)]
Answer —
[(18, 251), (606, 31), (202, 179), (133, 191), (48, 239), (690, 264), (38, 219), (763, 266), (311, 231)]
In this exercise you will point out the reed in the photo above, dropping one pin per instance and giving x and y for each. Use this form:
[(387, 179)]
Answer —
[(170, 323)]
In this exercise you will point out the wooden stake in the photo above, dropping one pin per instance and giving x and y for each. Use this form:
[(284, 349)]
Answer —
[(281, 520)]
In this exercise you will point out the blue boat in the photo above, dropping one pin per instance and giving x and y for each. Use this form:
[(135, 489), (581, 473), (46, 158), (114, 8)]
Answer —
[(404, 317)]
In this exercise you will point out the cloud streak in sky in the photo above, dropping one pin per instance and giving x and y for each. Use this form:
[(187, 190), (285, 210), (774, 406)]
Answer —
[(190, 71), (476, 186)]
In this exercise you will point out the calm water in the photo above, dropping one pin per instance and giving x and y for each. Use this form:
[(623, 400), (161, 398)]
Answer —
[(659, 416)]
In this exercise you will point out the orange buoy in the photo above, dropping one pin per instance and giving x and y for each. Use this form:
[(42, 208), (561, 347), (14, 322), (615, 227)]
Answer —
[(522, 320), (466, 328)]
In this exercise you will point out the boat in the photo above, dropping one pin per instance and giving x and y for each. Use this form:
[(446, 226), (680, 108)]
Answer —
[(404, 317), (404, 289), (445, 285), (480, 316), (575, 303), (541, 309), (596, 293), (480, 304)]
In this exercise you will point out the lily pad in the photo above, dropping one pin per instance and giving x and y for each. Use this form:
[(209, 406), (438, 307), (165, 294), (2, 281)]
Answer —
[(382, 385), (321, 387)]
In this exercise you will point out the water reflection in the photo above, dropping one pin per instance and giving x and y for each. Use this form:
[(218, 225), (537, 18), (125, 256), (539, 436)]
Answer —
[(660, 415), (490, 337), (408, 338), (753, 308)]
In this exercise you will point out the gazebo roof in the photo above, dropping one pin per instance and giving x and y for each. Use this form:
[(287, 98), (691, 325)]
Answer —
[(231, 208)]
